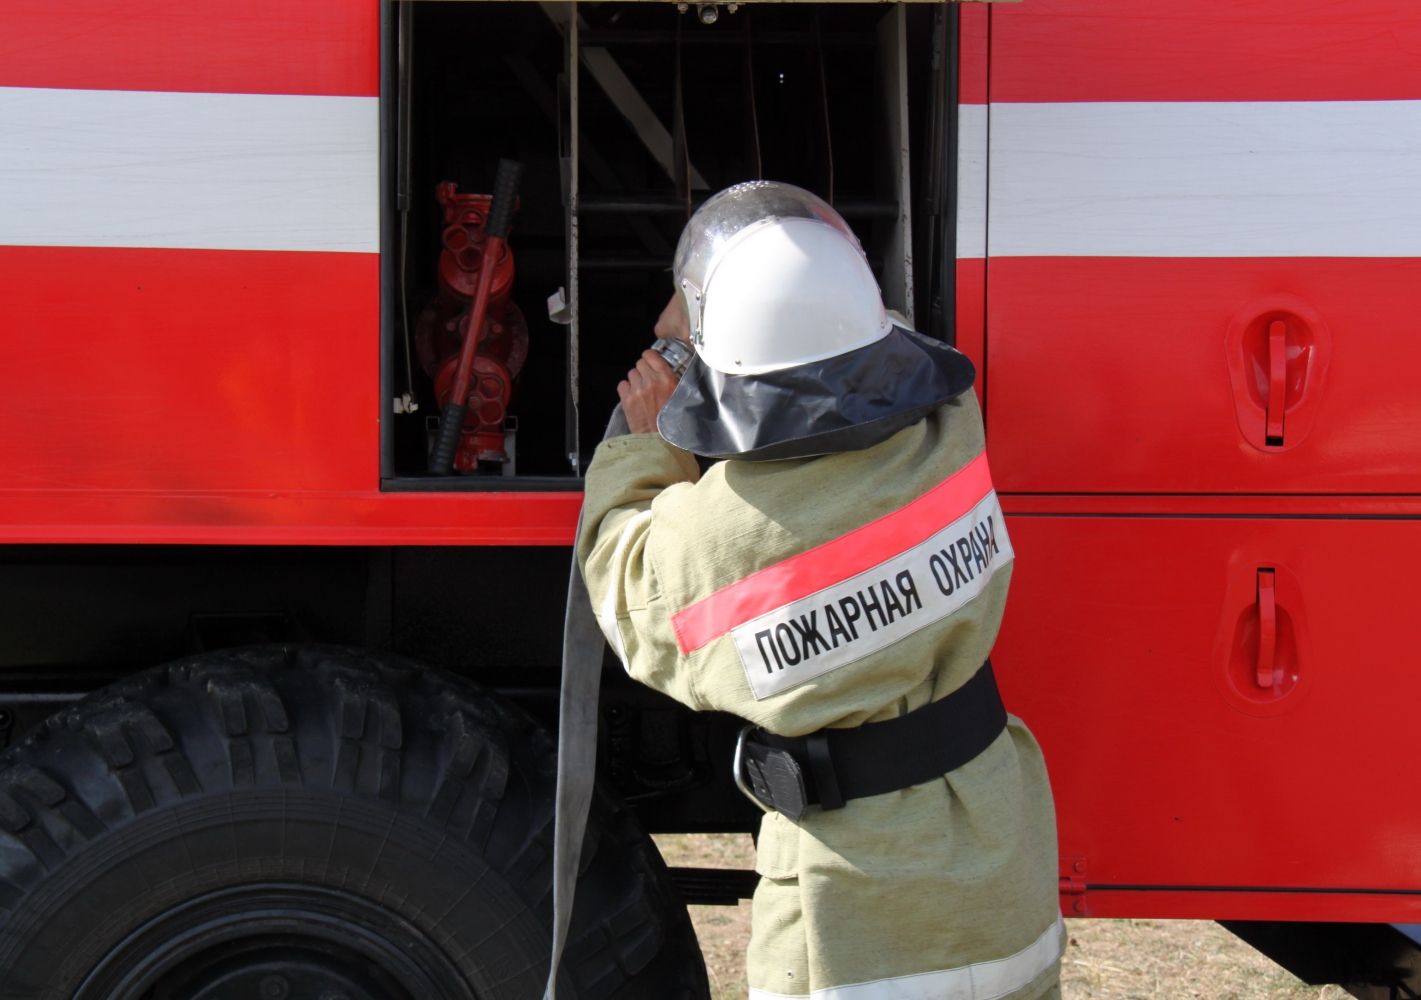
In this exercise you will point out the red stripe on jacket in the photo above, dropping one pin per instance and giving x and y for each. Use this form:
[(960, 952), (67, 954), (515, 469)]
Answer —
[(835, 561)]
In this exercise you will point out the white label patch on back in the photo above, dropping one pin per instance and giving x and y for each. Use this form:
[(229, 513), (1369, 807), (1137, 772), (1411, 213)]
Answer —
[(863, 614)]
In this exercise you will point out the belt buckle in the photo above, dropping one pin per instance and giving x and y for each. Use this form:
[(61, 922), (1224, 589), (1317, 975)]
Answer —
[(776, 781), (739, 766)]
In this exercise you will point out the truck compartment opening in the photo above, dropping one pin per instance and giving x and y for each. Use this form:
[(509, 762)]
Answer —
[(665, 108)]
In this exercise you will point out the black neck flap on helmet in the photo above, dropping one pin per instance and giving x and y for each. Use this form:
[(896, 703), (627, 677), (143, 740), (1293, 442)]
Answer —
[(848, 402)]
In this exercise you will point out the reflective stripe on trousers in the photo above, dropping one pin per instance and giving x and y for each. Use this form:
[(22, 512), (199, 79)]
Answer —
[(983, 981)]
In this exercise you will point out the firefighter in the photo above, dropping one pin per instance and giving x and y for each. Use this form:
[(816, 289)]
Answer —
[(836, 578)]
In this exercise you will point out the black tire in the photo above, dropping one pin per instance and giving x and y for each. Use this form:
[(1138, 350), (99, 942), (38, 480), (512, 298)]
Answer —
[(314, 822)]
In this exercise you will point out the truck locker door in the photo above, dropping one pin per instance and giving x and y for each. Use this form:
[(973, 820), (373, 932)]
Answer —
[(1167, 182), (1202, 269), (189, 237)]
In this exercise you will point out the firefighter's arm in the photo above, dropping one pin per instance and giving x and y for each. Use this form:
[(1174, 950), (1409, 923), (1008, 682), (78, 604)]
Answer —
[(625, 478)]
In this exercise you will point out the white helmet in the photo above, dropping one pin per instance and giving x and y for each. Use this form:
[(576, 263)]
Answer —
[(795, 356), (772, 278)]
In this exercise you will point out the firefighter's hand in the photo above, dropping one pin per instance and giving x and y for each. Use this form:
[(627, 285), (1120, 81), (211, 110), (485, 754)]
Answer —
[(647, 388)]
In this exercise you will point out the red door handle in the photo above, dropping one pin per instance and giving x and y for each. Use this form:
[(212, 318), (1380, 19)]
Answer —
[(1277, 381), (1267, 626)]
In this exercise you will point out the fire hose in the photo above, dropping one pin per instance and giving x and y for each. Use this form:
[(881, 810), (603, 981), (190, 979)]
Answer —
[(582, 647), (456, 409)]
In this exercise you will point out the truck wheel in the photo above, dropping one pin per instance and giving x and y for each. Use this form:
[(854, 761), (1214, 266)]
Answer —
[(314, 823)]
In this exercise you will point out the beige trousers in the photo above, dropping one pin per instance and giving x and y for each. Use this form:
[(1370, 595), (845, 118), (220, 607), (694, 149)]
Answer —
[(944, 891)]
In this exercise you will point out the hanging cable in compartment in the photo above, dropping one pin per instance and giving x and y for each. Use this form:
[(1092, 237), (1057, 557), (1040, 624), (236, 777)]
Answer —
[(938, 184), (406, 402), (752, 118), (472, 338), (680, 154), (824, 153)]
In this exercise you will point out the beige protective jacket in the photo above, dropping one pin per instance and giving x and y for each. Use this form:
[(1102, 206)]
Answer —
[(836, 591)]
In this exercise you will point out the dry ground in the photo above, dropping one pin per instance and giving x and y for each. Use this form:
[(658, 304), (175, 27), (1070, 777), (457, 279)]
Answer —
[(724, 930), (1159, 959), (1105, 960)]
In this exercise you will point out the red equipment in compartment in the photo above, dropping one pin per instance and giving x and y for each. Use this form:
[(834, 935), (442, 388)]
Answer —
[(444, 323)]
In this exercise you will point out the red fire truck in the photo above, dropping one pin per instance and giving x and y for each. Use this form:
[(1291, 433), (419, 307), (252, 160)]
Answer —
[(276, 699)]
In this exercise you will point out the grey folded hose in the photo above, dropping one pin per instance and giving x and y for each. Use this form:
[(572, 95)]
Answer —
[(582, 644)]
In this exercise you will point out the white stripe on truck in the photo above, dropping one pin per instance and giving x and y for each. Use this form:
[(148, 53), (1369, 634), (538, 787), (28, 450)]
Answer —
[(972, 180), (1167, 179), (110, 168)]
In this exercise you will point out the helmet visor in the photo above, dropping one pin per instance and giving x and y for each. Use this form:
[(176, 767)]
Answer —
[(717, 223)]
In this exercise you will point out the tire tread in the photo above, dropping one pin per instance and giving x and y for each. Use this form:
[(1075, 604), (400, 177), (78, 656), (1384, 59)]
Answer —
[(441, 750)]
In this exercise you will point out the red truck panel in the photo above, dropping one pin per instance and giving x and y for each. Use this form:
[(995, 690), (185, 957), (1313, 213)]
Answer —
[(1165, 182), (1112, 375), (1127, 239), (1115, 651), (190, 369), (1215, 50), (204, 46), (190, 295)]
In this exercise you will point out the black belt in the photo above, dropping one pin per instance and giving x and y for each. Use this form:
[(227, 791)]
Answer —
[(831, 766)]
